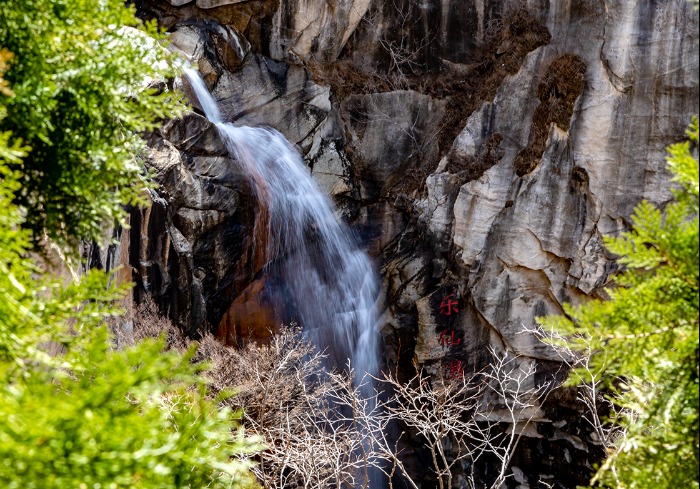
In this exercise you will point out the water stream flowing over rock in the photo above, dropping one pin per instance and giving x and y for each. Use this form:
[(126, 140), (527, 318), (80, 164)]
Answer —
[(317, 268)]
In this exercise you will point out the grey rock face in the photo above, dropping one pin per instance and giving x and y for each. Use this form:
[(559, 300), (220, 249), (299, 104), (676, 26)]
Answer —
[(187, 248), (316, 30), (390, 133), (532, 242), (480, 149), (269, 92)]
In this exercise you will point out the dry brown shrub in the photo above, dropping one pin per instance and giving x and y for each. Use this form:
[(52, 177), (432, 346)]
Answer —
[(285, 396), (268, 379), (300, 411), (265, 377), (346, 79), (562, 84), (146, 321), (471, 168)]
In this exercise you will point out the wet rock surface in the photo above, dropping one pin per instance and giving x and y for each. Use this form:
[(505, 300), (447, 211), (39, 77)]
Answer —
[(479, 149)]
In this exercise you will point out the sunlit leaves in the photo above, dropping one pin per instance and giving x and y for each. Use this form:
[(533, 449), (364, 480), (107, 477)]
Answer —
[(74, 411), (131, 418), (84, 79)]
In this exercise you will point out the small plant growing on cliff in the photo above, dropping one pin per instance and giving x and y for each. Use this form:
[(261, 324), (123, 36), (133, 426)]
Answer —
[(644, 339)]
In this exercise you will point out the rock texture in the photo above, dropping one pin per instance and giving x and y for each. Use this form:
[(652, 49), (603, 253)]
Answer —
[(481, 149), (189, 246)]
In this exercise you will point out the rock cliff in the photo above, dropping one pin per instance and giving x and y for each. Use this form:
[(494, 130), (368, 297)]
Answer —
[(480, 149)]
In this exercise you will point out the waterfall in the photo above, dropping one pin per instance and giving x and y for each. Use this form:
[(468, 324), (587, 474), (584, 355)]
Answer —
[(329, 281)]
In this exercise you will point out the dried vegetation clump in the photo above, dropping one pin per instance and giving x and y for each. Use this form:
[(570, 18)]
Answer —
[(264, 377), (146, 321), (287, 399), (472, 167), (345, 79), (299, 410), (322, 428), (562, 84), (269, 379)]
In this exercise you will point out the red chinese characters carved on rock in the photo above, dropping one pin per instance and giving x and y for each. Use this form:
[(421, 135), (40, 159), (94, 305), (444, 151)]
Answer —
[(448, 306), (454, 369), (449, 340)]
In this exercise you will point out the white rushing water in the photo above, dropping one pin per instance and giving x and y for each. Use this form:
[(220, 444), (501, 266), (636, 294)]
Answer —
[(330, 283)]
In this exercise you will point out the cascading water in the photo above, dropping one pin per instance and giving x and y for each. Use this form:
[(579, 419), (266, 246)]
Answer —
[(329, 281)]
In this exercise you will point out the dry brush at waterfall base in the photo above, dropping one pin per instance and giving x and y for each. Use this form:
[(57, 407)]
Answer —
[(469, 421), (297, 410), (324, 429)]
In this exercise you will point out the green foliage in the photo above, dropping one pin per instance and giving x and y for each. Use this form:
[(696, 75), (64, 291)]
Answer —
[(81, 99), (34, 307), (129, 418), (75, 412), (645, 338), (92, 416)]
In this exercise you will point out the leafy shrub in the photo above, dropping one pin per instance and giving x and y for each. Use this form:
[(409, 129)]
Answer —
[(645, 338), (86, 415), (81, 77)]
